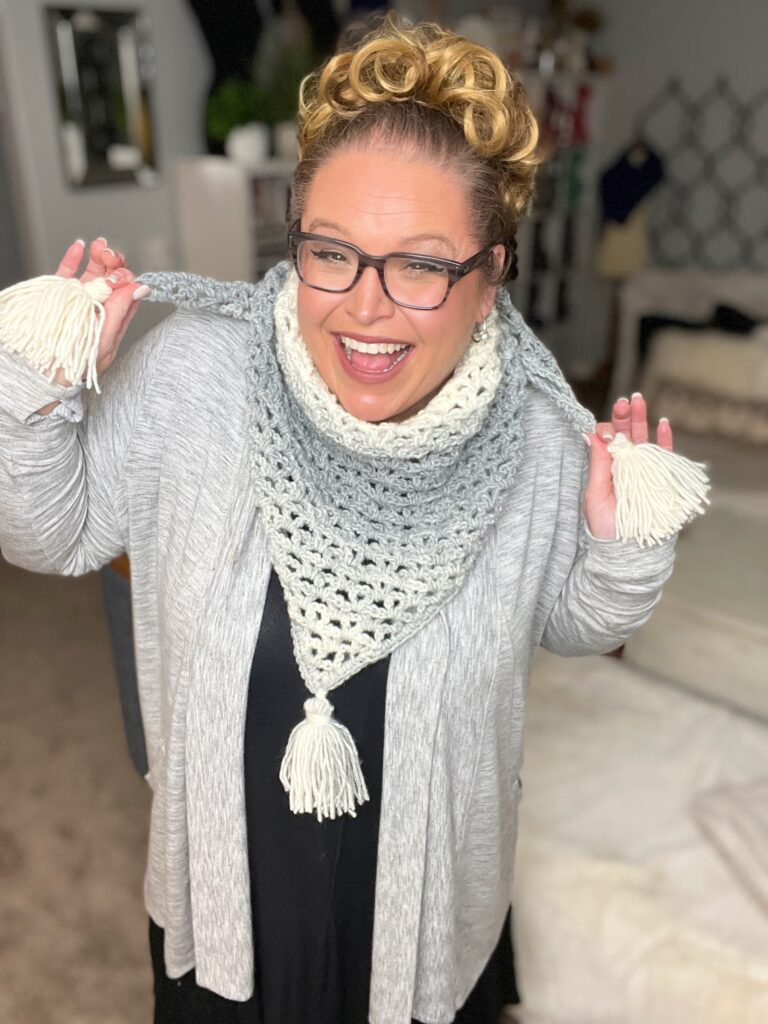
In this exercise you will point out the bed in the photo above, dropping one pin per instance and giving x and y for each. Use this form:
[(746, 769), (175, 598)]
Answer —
[(641, 888), (625, 911)]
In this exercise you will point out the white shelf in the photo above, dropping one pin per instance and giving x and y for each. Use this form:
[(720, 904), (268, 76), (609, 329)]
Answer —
[(231, 220)]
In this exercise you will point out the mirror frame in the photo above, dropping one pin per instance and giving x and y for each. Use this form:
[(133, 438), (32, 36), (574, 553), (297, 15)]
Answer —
[(103, 68)]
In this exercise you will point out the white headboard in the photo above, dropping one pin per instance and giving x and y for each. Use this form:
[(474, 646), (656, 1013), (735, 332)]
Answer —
[(688, 294)]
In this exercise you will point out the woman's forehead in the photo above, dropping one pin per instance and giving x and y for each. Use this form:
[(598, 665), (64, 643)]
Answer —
[(390, 197)]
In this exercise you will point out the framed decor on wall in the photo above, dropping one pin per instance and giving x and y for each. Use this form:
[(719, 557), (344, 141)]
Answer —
[(103, 65)]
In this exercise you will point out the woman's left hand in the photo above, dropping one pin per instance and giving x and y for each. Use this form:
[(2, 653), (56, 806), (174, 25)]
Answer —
[(631, 419)]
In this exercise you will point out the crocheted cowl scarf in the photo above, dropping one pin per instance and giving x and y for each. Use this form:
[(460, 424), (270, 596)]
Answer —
[(371, 528)]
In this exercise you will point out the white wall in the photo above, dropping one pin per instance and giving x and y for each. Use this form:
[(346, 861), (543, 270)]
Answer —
[(651, 41), (695, 40), (139, 221), (11, 257)]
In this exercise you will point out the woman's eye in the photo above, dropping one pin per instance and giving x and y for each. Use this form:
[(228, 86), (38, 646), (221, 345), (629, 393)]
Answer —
[(422, 267), (329, 255)]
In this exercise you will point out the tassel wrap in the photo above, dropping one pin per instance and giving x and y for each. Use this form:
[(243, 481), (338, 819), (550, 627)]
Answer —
[(657, 491), (55, 323), (321, 769)]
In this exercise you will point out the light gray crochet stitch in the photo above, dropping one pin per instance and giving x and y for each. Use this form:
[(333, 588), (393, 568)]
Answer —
[(158, 466), (370, 547)]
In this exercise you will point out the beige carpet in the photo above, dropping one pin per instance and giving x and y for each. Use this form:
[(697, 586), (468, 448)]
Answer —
[(73, 815)]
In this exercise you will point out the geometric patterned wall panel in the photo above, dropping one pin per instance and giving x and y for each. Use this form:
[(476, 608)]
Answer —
[(711, 210)]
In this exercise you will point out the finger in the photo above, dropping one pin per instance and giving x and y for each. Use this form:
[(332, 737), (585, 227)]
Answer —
[(620, 416), (638, 414), (112, 258), (73, 257), (116, 309), (664, 437), (603, 429), (132, 311), (95, 266), (600, 477), (119, 277)]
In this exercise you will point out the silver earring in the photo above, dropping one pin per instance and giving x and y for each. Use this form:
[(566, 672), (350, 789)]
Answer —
[(481, 331)]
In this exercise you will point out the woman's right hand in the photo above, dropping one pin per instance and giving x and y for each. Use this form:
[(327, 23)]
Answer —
[(119, 308)]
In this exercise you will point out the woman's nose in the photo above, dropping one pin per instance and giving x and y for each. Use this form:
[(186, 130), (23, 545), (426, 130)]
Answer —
[(368, 301)]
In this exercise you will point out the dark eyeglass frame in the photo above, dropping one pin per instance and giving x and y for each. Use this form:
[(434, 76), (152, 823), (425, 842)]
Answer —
[(455, 271)]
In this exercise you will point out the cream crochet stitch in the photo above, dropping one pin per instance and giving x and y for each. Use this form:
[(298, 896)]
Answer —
[(372, 528), (455, 413)]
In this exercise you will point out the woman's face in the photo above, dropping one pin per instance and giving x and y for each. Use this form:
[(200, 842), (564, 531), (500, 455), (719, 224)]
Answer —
[(383, 201)]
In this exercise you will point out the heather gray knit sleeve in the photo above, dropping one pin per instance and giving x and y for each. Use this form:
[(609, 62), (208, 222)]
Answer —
[(62, 494), (609, 587)]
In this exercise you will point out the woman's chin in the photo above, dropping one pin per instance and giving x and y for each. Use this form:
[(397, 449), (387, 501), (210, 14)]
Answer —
[(381, 408), (370, 412), (373, 409)]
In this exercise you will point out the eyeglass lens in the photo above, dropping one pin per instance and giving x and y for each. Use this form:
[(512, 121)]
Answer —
[(333, 266)]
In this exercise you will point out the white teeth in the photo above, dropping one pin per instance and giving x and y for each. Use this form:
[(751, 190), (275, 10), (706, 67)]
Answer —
[(364, 346)]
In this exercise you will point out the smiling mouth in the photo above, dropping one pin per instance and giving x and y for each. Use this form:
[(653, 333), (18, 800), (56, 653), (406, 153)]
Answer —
[(373, 357)]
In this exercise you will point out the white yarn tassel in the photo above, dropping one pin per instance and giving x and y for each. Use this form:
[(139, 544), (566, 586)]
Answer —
[(657, 491), (55, 323), (321, 768)]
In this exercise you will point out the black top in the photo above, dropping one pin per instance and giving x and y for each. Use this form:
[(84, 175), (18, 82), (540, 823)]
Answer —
[(312, 883)]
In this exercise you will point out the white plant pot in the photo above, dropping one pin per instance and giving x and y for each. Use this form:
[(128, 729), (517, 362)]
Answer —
[(249, 145)]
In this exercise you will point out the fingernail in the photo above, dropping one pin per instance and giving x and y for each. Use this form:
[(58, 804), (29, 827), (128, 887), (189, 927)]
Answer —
[(142, 292), (113, 278), (110, 251), (637, 394), (101, 238), (663, 419), (588, 439), (607, 436), (78, 241), (622, 399)]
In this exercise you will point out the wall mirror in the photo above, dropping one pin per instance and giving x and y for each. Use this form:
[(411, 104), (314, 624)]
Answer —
[(104, 64)]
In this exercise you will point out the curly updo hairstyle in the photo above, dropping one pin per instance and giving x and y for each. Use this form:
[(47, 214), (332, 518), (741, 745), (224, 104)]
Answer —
[(425, 90)]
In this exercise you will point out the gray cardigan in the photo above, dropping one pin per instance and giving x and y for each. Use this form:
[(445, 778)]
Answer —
[(158, 466)]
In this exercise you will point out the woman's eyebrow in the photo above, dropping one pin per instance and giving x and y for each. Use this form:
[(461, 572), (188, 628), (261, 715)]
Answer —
[(426, 236)]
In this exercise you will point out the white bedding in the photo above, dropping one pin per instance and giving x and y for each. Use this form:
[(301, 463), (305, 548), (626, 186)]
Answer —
[(624, 912), (710, 628), (735, 818)]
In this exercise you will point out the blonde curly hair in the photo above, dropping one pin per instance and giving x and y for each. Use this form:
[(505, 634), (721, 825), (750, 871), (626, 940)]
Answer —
[(425, 89)]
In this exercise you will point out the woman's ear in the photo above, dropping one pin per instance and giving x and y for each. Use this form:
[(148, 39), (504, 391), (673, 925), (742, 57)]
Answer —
[(488, 299), (503, 257)]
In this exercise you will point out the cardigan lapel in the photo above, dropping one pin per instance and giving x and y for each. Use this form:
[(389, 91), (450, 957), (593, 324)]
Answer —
[(218, 845), (416, 672), (437, 696)]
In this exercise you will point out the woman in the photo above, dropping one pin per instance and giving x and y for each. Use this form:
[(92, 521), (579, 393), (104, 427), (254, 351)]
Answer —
[(362, 471)]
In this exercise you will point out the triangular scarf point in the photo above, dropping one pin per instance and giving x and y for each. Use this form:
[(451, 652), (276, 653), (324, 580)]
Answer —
[(363, 575)]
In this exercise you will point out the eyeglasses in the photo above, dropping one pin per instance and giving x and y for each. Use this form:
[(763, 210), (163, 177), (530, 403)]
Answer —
[(409, 279)]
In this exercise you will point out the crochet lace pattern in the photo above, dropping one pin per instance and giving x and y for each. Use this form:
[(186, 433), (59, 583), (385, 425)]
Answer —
[(372, 528), (453, 414)]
